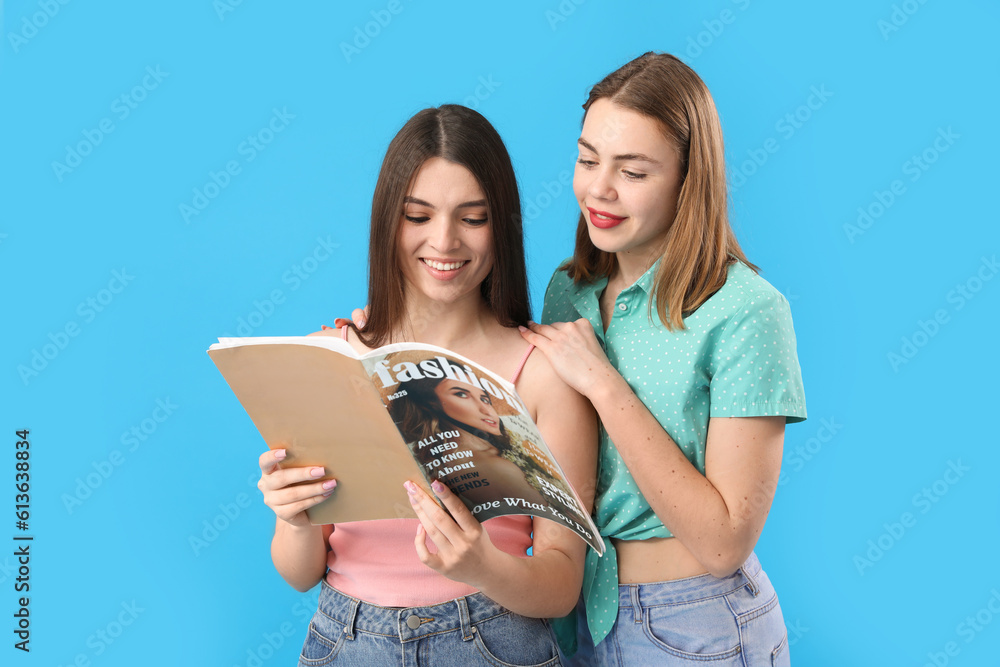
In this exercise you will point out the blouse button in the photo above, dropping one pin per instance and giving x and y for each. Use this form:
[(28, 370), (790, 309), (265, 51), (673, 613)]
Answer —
[(623, 307)]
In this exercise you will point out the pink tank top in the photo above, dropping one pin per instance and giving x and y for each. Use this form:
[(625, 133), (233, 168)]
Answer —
[(376, 561)]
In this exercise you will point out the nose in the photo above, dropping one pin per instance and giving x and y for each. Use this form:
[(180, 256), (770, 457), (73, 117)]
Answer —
[(444, 235), (601, 185)]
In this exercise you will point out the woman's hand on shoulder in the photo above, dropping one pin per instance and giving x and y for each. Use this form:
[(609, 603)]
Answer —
[(285, 491), (574, 352)]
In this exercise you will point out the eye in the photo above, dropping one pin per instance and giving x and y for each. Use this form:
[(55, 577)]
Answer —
[(417, 218), (458, 393), (486, 399), (633, 176), (585, 163), (475, 222)]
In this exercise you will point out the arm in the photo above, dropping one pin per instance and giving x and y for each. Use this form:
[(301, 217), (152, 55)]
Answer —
[(548, 583), (298, 548), (717, 516), (720, 515)]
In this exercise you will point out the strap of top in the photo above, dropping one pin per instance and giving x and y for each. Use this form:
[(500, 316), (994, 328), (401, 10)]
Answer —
[(520, 366)]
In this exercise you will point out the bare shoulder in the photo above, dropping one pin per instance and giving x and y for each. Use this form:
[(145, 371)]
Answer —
[(325, 332), (542, 389)]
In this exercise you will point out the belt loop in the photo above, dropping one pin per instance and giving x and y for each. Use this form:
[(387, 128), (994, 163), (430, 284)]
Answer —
[(352, 616), (636, 607), (463, 614), (751, 582)]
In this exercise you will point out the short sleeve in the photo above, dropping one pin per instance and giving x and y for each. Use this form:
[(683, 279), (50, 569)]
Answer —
[(557, 306), (754, 366)]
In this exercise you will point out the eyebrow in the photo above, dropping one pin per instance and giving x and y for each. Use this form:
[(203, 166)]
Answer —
[(623, 157), (484, 392), (421, 202)]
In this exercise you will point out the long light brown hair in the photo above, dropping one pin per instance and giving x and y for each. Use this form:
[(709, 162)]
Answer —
[(460, 135), (699, 245)]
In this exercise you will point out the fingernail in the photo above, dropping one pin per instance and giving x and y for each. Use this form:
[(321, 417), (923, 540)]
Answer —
[(280, 454), (521, 329), (531, 322), (437, 486), (361, 323), (326, 494), (325, 327), (330, 484), (410, 487), (316, 472)]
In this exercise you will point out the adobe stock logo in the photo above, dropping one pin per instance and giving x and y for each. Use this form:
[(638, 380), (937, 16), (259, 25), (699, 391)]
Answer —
[(59, 340), (122, 106), (31, 25), (105, 636), (786, 126), (899, 16), (104, 468), (565, 9), (714, 28), (926, 330), (915, 167), (924, 500), (251, 147), (363, 35)]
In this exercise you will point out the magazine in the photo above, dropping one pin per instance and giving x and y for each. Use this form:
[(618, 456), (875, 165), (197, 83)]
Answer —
[(402, 412)]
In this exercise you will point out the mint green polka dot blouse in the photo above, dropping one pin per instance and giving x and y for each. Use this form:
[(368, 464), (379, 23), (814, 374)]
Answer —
[(735, 358)]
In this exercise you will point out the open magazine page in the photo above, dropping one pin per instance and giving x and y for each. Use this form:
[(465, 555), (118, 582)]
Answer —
[(311, 396), (467, 428)]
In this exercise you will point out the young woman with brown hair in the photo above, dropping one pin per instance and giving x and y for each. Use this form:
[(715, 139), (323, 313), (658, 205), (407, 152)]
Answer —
[(689, 358), (446, 267)]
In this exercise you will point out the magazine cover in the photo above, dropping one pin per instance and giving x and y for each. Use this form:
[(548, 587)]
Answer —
[(467, 428), (404, 411)]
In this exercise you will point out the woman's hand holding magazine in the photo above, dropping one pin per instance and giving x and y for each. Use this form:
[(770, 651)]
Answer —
[(286, 491), (463, 547)]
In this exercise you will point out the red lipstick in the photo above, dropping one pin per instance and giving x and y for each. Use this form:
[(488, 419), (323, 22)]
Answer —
[(604, 220)]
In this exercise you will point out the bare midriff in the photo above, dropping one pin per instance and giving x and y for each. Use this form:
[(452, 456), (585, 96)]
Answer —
[(655, 559)]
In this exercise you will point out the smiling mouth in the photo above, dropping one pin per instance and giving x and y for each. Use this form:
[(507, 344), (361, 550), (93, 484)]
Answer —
[(490, 422), (603, 220), (444, 266)]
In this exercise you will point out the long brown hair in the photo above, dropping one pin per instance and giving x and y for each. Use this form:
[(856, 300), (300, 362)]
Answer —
[(700, 244), (460, 135)]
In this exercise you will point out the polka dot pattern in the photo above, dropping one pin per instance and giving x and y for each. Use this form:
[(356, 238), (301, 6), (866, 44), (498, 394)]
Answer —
[(736, 358)]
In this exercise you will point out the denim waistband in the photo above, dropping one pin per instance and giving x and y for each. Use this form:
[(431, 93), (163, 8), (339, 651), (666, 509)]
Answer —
[(408, 623), (692, 588)]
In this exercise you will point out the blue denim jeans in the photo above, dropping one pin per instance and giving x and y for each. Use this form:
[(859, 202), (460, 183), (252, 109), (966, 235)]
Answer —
[(731, 622), (471, 630)]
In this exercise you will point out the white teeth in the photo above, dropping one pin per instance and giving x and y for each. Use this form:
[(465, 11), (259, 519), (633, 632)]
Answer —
[(443, 266)]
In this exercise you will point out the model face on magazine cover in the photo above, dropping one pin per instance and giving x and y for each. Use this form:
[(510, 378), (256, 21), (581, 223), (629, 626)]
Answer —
[(627, 179), (445, 243), (468, 405)]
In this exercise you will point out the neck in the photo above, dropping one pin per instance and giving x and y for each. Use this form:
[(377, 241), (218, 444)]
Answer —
[(631, 266), (452, 325)]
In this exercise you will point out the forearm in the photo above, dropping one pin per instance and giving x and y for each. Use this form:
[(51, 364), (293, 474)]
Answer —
[(299, 554), (719, 536), (545, 585)]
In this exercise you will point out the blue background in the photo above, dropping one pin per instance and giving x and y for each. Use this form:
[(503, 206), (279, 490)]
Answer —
[(155, 551)]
